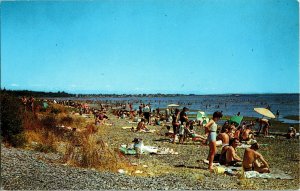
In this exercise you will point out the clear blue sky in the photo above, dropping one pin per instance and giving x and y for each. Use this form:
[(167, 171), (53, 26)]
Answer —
[(151, 46)]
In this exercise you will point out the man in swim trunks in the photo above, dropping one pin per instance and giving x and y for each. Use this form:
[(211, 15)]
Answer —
[(224, 137), (232, 159), (254, 160), (262, 123)]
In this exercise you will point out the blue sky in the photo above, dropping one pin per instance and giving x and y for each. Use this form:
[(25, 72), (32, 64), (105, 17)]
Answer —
[(151, 46)]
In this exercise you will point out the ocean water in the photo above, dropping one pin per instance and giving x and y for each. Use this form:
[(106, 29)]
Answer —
[(287, 104)]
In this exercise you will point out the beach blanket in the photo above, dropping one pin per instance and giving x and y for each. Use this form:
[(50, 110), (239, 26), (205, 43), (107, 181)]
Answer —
[(127, 151), (147, 150), (144, 150), (275, 174), (165, 151), (243, 146)]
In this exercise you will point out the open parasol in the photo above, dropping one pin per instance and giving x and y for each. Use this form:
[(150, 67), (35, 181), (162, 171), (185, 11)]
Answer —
[(200, 115), (264, 112), (236, 119)]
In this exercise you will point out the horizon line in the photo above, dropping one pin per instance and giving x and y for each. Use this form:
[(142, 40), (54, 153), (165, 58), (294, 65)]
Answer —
[(106, 93)]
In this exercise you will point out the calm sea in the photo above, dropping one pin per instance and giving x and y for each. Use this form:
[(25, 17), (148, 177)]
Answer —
[(286, 104)]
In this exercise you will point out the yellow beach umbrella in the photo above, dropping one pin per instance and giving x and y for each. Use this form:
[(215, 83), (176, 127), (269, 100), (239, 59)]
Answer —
[(265, 112)]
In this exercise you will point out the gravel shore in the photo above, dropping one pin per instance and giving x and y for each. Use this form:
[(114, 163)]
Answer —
[(31, 170)]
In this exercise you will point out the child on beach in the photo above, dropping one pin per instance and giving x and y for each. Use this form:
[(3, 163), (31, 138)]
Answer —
[(181, 132)]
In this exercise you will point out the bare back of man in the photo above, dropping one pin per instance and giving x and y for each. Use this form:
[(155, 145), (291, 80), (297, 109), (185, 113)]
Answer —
[(254, 161), (247, 135), (224, 137)]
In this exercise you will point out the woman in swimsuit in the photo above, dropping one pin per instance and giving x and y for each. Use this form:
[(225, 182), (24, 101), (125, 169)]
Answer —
[(211, 130)]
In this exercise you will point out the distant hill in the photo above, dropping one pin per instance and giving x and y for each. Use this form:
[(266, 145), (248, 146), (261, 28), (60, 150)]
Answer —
[(36, 93)]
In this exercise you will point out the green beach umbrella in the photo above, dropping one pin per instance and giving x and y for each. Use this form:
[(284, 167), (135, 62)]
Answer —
[(236, 119), (45, 105), (200, 115)]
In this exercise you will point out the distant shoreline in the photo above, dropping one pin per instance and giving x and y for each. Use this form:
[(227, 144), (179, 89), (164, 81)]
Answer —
[(86, 95)]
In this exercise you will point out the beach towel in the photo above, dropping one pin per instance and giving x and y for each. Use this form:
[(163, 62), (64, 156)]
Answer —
[(276, 174), (147, 150), (127, 151), (165, 151), (243, 146)]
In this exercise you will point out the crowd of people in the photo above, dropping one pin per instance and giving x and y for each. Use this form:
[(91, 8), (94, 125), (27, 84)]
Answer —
[(231, 134)]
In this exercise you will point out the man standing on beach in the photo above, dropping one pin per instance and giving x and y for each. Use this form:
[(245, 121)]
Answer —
[(147, 113), (183, 116)]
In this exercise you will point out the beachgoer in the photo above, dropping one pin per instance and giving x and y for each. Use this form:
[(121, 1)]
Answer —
[(266, 128), (31, 104), (247, 134), (225, 127), (291, 132), (232, 159), (254, 161), (167, 111), (158, 111), (140, 109), (146, 111), (175, 123), (141, 125), (181, 132), (183, 115), (211, 131), (231, 130), (238, 132), (224, 137), (24, 102), (261, 123), (277, 114)]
